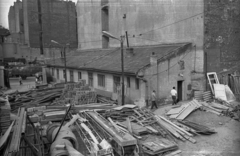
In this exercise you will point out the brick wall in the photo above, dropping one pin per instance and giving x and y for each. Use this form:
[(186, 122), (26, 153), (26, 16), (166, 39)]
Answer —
[(222, 35)]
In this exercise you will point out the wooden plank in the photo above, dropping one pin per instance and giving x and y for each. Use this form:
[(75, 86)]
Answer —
[(129, 125), (176, 110), (168, 127), (6, 135), (15, 141), (169, 122), (186, 112)]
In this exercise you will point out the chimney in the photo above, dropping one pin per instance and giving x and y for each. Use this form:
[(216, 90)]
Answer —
[(153, 59), (129, 52)]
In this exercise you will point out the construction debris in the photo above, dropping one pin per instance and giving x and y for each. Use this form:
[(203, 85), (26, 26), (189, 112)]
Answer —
[(4, 114), (33, 98), (184, 110), (102, 128), (198, 128)]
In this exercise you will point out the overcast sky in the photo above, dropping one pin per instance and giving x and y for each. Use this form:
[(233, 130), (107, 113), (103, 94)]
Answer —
[(4, 8)]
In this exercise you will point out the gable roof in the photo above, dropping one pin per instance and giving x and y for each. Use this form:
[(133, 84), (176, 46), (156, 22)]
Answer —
[(109, 60)]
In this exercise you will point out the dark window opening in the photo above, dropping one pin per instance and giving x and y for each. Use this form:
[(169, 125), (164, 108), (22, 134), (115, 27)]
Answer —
[(90, 79), (128, 82), (101, 80)]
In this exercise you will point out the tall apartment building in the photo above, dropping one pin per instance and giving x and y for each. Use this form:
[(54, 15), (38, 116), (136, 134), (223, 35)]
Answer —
[(58, 20)]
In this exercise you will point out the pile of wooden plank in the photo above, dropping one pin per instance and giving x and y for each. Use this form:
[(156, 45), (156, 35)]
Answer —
[(85, 97), (203, 96), (77, 94), (157, 145), (4, 115), (153, 137), (220, 109), (200, 129), (184, 110), (103, 99), (34, 98), (207, 96), (18, 129), (214, 108), (177, 131)]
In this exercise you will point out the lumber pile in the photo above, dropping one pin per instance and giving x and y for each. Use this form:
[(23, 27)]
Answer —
[(203, 96), (34, 98), (184, 110), (18, 129), (175, 130), (221, 109), (76, 94), (4, 114), (201, 129), (103, 99), (156, 134), (156, 145)]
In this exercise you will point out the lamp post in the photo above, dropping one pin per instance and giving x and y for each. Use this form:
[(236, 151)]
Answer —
[(122, 59), (65, 61)]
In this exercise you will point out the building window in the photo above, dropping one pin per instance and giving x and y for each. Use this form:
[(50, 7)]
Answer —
[(128, 82), (71, 76), (137, 83), (79, 75), (58, 73), (90, 79), (116, 84), (101, 80)]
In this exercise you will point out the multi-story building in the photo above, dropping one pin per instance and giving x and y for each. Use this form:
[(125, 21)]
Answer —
[(58, 20)]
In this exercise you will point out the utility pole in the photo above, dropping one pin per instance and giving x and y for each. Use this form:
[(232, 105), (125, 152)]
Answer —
[(122, 64), (64, 57), (121, 39), (65, 64), (40, 26)]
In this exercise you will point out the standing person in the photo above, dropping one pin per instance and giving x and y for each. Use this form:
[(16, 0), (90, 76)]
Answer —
[(20, 80), (174, 96), (154, 99)]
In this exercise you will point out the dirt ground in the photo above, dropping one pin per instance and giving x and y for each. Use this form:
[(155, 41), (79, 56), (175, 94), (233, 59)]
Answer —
[(226, 142)]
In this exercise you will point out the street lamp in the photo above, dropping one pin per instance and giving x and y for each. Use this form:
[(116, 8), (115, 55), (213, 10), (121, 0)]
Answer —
[(65, 61), (105, 33)]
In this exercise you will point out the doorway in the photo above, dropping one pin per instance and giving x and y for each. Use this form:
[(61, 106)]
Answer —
[(180, 90)]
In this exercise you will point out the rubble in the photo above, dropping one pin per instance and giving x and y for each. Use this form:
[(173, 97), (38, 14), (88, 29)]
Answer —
[(102, 128)]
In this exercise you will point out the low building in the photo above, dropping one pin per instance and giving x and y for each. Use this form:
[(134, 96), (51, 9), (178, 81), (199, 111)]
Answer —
[(146, 68)]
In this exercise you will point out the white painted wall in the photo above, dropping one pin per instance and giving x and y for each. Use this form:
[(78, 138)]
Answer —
[(131, 93)]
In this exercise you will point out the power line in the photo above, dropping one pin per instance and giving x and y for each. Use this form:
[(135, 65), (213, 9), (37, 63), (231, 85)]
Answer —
[(140, 34)]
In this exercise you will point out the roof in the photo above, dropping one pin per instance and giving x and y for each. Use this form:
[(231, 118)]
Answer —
[(109, 60)]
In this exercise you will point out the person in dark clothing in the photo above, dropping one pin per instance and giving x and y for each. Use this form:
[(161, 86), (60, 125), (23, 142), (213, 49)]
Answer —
[(154, 99)]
